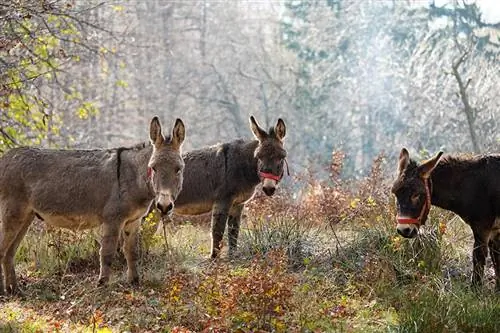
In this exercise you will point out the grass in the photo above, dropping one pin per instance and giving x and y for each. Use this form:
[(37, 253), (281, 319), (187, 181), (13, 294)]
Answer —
[(290, 276), (329, 263)]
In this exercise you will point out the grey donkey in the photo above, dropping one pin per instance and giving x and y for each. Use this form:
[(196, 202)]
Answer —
[(222, 178), (81, 189)]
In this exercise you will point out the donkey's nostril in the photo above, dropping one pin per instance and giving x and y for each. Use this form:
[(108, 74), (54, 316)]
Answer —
[(407, 232), (164, 209), (269, 190)]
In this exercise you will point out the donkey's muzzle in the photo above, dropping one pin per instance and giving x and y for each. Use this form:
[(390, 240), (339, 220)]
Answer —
[(269, 186), (407, 230), (165, 209), (269, 190)]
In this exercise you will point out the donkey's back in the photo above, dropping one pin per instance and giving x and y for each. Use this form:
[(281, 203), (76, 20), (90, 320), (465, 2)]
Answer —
[(223, 172), (474, 184), (51, 183)]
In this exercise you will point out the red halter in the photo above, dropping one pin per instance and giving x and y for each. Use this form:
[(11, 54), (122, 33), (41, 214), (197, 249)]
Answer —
[(268, 175), (272, 176), (425, 208)]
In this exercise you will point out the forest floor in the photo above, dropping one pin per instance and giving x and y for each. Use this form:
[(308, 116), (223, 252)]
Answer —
[(331, 263)]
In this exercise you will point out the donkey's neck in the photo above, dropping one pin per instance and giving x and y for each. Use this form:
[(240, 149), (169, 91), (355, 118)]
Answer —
[(251, 162), (447, 183), (134, 169)]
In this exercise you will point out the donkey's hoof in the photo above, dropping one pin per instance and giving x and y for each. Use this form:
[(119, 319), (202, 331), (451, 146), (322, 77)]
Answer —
[(102, 281), (15, 292), (135, 281)]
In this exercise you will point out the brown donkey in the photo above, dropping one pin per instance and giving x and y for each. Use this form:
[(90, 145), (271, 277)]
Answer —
[(222, 178), (469, 187), (79, 189)]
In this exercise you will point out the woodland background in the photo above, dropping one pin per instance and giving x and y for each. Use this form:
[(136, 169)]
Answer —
[(354, 81), (361, 77)]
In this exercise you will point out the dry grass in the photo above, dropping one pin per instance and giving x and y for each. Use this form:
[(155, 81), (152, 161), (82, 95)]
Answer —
[(327, 260)]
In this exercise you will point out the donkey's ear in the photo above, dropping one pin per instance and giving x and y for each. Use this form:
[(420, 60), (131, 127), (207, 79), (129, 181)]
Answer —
[(404, 160), (280, 129), (178, 134), (155, 132), (258, 132), (426, 167)]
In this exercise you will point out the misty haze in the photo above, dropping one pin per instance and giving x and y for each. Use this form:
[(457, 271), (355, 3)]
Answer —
[(355, 82)]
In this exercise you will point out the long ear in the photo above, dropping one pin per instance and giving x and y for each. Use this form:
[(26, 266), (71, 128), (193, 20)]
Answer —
[(155, 132), (426, 167), (404, 160), (178, 134), (280, 129), (258, 132)]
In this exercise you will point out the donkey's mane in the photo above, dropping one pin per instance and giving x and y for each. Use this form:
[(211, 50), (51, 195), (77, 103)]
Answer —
[(465, 160), (120, 150), (451, 159), (137, 146), (412, 164)]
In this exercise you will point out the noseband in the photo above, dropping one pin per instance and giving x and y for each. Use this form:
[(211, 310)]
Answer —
[(268, 175), (425, 208)]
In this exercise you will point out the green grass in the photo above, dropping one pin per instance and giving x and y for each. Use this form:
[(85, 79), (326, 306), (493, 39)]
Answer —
[(434, 308)]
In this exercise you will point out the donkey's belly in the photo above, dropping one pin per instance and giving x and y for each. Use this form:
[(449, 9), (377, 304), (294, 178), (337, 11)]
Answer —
[(193, 208), (74, 222), (243, 197), (199, 208)]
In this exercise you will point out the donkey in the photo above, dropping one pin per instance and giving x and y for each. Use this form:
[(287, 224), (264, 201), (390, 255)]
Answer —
[(222, 178), (469, 187), (81, 189)]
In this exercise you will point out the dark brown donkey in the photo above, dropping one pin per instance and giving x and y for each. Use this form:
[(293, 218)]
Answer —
[(469, 187), (222, 178), (79, 189)]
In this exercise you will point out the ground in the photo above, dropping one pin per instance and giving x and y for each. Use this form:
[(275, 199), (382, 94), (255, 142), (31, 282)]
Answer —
[(341, 269)]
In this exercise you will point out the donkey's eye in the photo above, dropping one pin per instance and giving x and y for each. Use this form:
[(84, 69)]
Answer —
[(178, 170), (414, 198)]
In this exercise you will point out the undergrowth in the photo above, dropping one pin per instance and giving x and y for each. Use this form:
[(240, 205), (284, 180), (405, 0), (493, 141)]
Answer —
[(327, 259)]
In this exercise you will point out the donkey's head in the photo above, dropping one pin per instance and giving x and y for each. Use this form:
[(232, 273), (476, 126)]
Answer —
[(166, 166), (412, 189), (270, 154)]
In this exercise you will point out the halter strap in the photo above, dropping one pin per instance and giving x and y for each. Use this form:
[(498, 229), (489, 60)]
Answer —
[(287, 168), (425, 208), (274, 177), (269, 175)]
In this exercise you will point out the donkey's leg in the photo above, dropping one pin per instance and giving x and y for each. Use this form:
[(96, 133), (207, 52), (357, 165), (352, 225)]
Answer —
[(10, 273), (130, 231), (110, 234), (220, 212), (479, 254), (494, 245), (5, 239), (233, 224), (12, 229)]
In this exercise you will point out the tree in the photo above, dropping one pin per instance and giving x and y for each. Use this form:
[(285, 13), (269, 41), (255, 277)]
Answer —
[(40, 41)]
